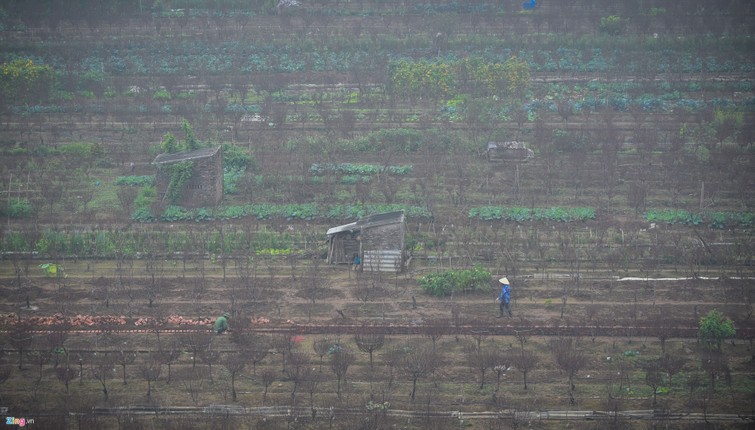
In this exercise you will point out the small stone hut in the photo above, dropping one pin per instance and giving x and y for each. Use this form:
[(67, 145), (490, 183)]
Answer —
[(509, 151), (377, 239), (205, 187)]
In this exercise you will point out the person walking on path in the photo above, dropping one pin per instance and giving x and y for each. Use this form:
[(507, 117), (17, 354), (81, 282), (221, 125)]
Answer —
[(221, 324), (504, 299)]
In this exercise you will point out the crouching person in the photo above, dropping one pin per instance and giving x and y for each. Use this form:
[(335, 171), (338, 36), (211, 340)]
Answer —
[(221, 324)]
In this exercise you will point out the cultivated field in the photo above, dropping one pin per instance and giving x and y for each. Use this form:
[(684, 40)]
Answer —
[(628, 231)]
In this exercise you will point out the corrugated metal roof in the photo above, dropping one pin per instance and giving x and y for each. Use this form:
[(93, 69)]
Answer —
[(369, 221), (345, 227), (507, 145), (381, 219), (185, 156)]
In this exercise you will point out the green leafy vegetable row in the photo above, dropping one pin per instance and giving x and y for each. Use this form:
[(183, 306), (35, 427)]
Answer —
[(712, 218), (135, 181), (521, 214), (111, 243), (306, 211), (358, 169)]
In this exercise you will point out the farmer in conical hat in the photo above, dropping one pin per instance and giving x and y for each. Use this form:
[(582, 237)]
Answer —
[(504, 299), (221, 324)]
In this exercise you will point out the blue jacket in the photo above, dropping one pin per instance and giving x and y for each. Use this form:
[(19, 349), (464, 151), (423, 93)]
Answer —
[(505, 296)]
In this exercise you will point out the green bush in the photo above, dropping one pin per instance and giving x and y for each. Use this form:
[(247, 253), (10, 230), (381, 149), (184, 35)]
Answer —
[(18, 208), (142, 215), (714, 328), (14, 241), (354, 179), (180, 173), (231, 178), (612, 24), (448, 282), (135, 181), (147, 197), (236, 158), (161, 94), (176, 213)]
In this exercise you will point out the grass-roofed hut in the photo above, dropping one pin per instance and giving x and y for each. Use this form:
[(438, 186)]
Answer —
[(205, 185)]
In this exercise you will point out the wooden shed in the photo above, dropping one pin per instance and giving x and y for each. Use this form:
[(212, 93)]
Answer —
[(377, 239), (205, 187), (509, 151)]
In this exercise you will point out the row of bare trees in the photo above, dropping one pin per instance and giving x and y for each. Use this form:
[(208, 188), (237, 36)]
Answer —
[(282, 359)]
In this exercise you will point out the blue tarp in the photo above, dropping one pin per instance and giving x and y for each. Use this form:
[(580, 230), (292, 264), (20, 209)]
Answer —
[(529, 4)]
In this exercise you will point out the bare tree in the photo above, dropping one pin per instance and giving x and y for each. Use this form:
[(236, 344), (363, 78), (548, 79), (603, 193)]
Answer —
[(39, 357), (524, 361), (321, 347), (715, 363), (283, 344), (124, 358), (436, 329), (5, 373), (479, 360), (457, 316), (168, 356), (267, 376), (65, 374), (196, 343), (150, 370), (500, 362), (296, 362), (20, 337), (662, 325), (311, 288), (234, 362), (369, 343), (418, 362), (209, 356), (365, 288), (194, 383), (311, 380), (101, 367), (56, 343), (254, 346), (392, 358), (340, 360), (672, 364), (653, 377), (569, 359)]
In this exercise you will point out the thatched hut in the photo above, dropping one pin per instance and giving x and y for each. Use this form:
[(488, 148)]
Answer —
[(205, 187), (377, 239)]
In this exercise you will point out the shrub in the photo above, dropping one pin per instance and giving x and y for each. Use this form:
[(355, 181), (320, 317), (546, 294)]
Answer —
[(147, 197), (612, 24), (161, 94), (231, 178), (18, 208), (142, 215), (237, 158), (176, 213), (135, 181), (450, 281), (714, 328)]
